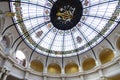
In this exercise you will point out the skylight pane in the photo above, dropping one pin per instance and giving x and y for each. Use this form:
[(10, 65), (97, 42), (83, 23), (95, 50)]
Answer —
[(57, 29)]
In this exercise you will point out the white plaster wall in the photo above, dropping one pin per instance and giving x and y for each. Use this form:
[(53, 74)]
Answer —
[(17, 72), (8, 64), (112, 70), (1, 60), (73, 78), (34, 77), (53, 78), (92, 76)]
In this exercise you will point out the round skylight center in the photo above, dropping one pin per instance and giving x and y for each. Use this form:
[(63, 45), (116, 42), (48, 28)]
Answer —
[(65, 14)]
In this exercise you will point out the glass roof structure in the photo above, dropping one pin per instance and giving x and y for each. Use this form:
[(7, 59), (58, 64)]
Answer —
[(62, 28)]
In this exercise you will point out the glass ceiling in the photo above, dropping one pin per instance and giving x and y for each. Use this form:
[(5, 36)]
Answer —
[(62, 29)]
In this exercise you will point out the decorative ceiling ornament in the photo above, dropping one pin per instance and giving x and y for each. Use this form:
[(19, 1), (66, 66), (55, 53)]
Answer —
[(67, 32), (49, 25), (83, 18), (79, 25), (86, 2), (49, 4), (85, 11), (79, 39), (47, 12), (73, 29), (54, 30), (61, 32), (39, 33)]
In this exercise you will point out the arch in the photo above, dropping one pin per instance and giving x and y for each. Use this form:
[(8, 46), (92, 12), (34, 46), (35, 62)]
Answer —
[(118, 43), (88, 64), (71, 68), (21, 58), (36, 65), (54, 68), (106, 55)]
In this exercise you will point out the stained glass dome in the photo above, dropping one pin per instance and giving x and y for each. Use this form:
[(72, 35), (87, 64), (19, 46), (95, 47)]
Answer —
[(62, 28)]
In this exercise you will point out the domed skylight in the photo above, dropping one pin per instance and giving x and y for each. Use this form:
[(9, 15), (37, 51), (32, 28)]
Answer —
[(61, 28)]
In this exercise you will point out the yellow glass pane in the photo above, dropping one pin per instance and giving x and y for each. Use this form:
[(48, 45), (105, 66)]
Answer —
[(89, 64), (36, 65), (71, 68), (106, 55)]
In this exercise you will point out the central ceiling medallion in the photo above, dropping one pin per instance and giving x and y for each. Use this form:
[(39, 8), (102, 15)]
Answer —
[(65, 14)]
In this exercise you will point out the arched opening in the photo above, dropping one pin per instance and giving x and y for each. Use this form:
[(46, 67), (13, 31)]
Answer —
[(54, 68), (106, 55), (118, 43), (37, 65), (71, 68), (20, 57), (88, 64)]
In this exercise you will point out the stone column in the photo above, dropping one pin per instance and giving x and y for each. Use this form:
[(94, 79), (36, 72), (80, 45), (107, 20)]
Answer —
[(26, 75), (1, 72), (100, 73), (62, 71), (45, 70), (81, 77), (44, 78), (6, 75), (80, 69), (63, 78), (44, 73), (98, 62)]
